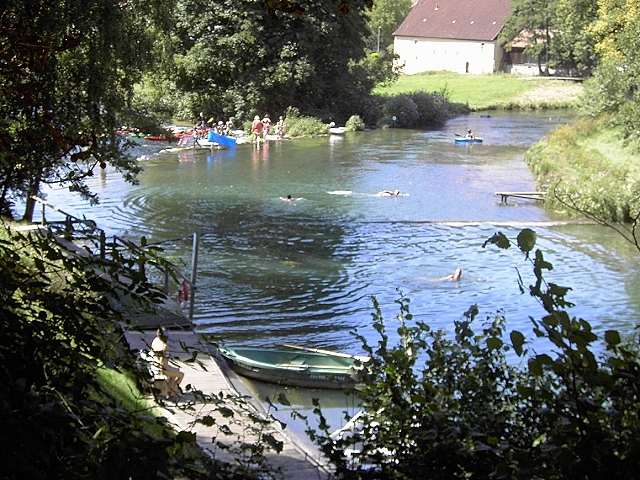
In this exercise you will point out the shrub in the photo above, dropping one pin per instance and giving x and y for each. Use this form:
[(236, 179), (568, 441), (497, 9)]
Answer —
[(297, 125), (433, 108), (403, 109), (354, 124), (417, 110)]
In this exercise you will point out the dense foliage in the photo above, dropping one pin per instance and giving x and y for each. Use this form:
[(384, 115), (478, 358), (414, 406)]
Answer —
[(239, 58), (384, 18), (66, 72), (615, 88), (441, 407)]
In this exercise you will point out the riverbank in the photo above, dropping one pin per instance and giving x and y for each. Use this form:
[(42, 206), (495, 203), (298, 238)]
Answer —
[(490, 92), (586, 164)]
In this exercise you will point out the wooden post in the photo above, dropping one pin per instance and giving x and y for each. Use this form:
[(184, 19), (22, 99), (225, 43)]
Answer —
[(103, 245), (44, 220), (194, 269), (141, 267)]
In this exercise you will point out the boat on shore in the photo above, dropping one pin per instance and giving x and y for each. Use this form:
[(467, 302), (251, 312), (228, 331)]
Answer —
[(310, 368), (223, 140)]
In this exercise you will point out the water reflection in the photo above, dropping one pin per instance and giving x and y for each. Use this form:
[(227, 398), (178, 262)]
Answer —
[(288, 404)]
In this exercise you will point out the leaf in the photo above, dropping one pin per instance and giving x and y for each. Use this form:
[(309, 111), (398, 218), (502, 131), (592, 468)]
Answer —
[(612, 337), (226, 412), (539, 440), (526, 240), (494, 343), (517, 341), (207, 421), (498, 239)]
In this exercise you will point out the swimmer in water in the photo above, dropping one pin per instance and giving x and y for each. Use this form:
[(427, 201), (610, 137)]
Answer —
[(289, 198), (455, 276), (389, 193)]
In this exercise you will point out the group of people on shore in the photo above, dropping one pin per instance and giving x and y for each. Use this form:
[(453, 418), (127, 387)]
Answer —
[(260, 128), (221, 127)]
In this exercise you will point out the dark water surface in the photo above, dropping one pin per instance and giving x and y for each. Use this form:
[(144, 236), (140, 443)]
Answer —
[(273, 272)]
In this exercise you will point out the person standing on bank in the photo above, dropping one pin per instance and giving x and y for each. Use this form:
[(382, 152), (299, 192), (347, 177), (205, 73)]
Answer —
[(160, 349), (266, 122), (256, 129)]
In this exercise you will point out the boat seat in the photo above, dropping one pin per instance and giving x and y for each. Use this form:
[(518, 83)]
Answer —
[(299, 364)]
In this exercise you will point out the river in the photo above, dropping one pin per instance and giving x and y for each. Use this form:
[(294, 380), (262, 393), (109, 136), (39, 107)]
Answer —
[(303, 272)]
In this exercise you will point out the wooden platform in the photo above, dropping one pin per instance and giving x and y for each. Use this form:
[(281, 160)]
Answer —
[(207, 374), (527, 195)]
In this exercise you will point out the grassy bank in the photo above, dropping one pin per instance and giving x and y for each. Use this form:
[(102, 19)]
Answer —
[(486, 92), (586, 164)]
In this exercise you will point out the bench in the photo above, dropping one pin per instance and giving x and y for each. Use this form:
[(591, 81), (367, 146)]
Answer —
[(528, 195), (159, 381)]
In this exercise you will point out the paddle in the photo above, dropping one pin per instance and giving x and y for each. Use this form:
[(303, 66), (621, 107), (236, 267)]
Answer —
[(319, 350), (458, 135)]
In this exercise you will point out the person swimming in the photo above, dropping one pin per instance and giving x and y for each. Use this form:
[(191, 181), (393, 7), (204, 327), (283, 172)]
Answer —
[(455, 276), (389, 193), (289, 198)]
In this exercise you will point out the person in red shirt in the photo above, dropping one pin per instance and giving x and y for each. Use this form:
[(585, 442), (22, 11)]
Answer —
[(256, 128)]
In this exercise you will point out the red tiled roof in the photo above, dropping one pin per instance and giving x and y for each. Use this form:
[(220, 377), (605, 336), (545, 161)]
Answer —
[(456, 19)]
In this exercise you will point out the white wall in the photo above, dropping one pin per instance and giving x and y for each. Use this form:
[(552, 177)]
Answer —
[(432, 54)]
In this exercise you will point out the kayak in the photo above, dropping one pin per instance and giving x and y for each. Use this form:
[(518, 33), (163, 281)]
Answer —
[(221, 139), (311, 369), (468, 140)]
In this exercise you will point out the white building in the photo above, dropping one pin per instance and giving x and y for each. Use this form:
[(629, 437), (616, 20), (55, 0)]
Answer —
[(454, 35)]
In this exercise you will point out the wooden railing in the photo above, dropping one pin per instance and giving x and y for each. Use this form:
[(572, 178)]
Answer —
[(115, 249)]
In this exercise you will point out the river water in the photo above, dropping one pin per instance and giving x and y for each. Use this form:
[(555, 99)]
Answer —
[(274, 272)]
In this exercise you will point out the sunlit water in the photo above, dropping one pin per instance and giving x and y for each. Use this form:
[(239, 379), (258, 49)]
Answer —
[(273, 272)]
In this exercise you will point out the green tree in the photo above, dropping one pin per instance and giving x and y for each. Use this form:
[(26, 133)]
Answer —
[(251, 56), (572, 49), (534, 19), (384, 18), (557, 32), (66, 72)]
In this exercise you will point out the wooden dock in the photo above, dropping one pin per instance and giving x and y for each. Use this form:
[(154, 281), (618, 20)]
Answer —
[(207, 374), (504, 196)]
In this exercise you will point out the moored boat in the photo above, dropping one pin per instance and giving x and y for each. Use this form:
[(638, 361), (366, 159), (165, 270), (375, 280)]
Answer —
[(312, 369), (158, 138)]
